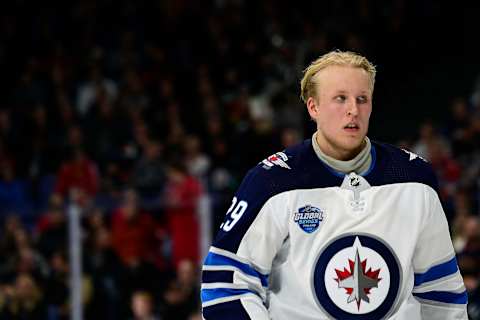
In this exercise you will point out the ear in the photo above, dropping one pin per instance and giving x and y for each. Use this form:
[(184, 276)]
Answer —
[(312, 107)]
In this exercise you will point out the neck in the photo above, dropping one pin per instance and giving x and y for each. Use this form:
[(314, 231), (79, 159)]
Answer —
[(336, 153), (358, 161)]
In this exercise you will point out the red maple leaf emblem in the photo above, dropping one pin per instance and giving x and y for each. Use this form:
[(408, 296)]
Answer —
[(342, 275)]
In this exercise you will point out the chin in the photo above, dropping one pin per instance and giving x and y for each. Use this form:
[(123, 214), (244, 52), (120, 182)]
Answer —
[(353, 145)]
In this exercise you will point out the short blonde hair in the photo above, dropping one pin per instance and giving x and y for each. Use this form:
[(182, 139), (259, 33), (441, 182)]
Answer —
[(333, 58)]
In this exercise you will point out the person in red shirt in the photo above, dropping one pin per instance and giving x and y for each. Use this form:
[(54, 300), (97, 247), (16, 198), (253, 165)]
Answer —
[(133, 231), (182, 193), (80, 173)]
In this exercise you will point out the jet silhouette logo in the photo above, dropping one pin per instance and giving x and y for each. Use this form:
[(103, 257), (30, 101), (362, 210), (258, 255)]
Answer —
[(357, 282), (357, 276)]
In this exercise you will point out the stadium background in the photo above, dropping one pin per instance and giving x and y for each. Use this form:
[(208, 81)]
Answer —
[(138, 110)]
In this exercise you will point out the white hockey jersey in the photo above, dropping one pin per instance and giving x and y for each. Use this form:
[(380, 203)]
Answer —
[(301, 241)]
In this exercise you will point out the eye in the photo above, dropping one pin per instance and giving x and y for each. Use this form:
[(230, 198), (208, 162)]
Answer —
[(362, 99), (340, 98)]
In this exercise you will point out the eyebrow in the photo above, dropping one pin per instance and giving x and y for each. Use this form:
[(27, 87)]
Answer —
[(344, 91)]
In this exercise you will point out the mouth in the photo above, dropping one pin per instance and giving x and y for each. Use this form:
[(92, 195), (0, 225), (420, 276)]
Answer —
[(352, 127)]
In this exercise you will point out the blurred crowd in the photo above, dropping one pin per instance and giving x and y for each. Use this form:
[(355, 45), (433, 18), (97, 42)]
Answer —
[(453, 149), (137, 110)]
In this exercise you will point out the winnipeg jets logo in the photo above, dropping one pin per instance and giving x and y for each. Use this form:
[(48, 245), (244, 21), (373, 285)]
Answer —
[(357, 276), (277, 159), (357, 282)]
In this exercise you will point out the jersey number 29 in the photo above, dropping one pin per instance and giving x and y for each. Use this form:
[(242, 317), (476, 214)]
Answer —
[(236, 211)]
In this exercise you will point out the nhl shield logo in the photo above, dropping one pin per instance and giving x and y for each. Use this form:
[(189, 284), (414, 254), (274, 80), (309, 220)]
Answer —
[(357, 276), (308, 218)]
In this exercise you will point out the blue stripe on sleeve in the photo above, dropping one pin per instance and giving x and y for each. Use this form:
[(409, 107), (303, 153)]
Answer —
[(444, 296), (214, 259), (212, 294), (217, 276), (233, 309), (437, 272)]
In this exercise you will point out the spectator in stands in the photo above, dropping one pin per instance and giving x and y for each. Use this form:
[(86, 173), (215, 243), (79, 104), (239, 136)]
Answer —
[(22, 300), (468, 244), (468, 250), (64, 117), (181, 196), (188, 280), (40, 159), (104, 266), (457, 128), (149, 173), (51, 228), (132, 231), (28, 261), (142, 306), (134, 242), (13, 191), (181, 299), (96, 85), (197, 162), (448, 171), (19, 254), (436, 149), (106, 130), (427, 135), (77, 172), (57, 288), (10, 228), (289, 137), (176, 129), (133, 94)]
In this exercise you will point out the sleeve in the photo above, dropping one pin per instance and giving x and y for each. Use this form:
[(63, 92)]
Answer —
[(236, 270), (438, 284)]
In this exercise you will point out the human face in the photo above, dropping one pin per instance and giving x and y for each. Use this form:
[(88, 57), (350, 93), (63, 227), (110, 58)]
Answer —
[(341, 110)]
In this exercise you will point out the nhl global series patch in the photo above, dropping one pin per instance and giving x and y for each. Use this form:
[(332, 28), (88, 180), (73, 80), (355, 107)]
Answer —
[(308, 218)]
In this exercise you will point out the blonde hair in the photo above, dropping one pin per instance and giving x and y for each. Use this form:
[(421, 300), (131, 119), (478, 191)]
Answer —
[(333, 58)]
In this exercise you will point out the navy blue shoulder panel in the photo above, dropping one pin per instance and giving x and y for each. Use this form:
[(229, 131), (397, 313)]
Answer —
[(227, 310), (297, 167), (395, 165)]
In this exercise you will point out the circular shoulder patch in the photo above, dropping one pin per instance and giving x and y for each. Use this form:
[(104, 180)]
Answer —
[(357, 276)]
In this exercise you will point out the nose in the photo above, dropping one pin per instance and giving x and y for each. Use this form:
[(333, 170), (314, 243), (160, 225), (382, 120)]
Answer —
[(352, 108)]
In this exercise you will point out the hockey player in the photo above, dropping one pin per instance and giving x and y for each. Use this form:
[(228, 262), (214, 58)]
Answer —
[(338, 227)]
